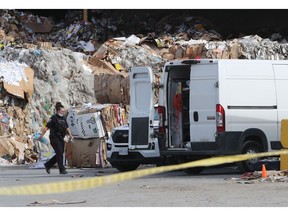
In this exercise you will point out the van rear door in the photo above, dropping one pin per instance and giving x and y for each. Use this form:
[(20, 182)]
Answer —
[(141, 107), (203, 100)]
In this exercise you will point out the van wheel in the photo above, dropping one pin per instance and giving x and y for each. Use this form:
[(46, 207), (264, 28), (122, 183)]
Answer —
[(125, 167), (194, 170), (251, 147)]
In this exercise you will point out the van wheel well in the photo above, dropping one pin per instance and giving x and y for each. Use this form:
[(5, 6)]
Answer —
[(256, 135), (257, 141)]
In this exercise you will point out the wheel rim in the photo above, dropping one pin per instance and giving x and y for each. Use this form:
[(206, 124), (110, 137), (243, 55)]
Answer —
[(252, 161)]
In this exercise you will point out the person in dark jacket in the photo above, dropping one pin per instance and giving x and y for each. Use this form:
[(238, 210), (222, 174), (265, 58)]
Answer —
[(58, 129)]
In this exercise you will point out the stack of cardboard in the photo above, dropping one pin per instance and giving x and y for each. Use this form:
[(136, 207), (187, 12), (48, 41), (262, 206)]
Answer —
[(90, 125), (16, 91), (103, 117)]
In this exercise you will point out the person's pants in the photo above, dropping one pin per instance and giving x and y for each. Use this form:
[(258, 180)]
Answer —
[(58, 145)]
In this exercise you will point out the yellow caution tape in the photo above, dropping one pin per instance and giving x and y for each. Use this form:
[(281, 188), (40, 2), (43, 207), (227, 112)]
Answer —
[(88, 183)]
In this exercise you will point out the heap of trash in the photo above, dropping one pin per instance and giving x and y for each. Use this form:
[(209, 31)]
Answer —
[(42, 62), (256, 177)]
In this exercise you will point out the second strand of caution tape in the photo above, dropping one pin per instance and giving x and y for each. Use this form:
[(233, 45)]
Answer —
[(88, 183)]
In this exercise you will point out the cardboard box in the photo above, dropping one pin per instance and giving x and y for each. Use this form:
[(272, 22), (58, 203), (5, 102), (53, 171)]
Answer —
[(88, 152), (24, 89), (168, 56), (68, 154), (112, 115), (45, 26), (193, 51), (29, 46), (90, 125), (44, 45), (71, 120)]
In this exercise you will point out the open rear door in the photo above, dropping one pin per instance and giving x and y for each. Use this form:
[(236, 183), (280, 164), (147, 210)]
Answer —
[(141, 107), (203, 100)]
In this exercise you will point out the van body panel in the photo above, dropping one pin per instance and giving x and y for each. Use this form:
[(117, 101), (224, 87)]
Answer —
[(247, 91)]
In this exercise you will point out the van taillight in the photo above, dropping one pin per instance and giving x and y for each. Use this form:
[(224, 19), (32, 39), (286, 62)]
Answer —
[(220, 118), (161, 113)]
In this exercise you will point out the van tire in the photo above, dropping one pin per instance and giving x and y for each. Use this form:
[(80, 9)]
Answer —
[(125, 167), (250, 147)]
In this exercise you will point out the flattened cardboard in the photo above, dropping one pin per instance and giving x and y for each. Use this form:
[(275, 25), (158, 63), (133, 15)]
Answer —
[(103, 64), (6, 147), (24, 88)]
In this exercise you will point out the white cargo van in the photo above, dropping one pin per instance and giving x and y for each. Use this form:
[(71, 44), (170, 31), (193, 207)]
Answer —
[(207, 108)]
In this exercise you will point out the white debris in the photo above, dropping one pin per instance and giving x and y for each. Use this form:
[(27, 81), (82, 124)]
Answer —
[(4, 162), (132, 40), (12, 72)]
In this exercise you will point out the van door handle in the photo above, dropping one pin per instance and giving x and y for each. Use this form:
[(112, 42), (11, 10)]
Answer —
[(195, 116)]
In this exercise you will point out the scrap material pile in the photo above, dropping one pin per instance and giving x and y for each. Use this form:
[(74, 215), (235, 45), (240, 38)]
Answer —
[(71, 61), (58, 75), (256, 177)]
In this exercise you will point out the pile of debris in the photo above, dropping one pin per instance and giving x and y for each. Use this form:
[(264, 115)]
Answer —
[(115, 57), (60, 75), (54, 75), (75, 34), (256, 177), (66, 62), (123, 54)]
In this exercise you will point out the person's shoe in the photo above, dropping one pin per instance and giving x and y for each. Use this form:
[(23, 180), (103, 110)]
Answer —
[(47, 169), (63, 172)]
